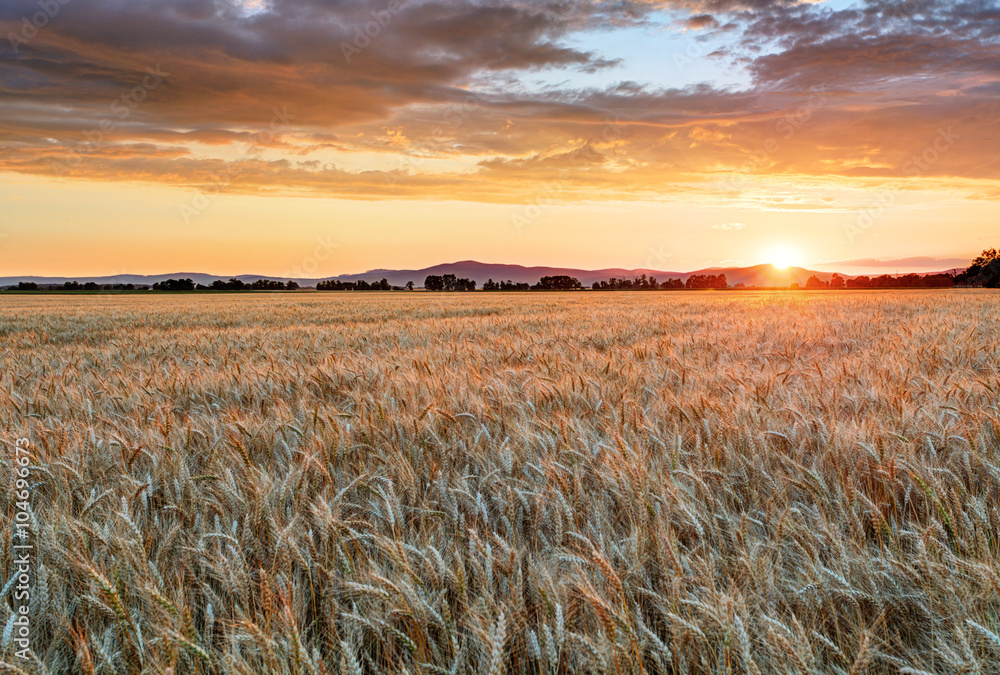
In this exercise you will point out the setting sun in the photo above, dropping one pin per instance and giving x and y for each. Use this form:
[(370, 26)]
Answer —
[(783, 257)]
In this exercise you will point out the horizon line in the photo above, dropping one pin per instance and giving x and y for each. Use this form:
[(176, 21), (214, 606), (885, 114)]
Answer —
[(804, 267)]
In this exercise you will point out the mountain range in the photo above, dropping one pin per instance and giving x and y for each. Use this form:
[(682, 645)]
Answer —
[(757, 275)]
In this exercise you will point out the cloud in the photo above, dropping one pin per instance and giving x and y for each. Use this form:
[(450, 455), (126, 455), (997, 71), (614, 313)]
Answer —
[(729, 227), (701, 21), (915, 262), (427, 97)]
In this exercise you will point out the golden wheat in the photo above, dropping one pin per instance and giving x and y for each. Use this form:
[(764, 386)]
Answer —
[(537, 483)]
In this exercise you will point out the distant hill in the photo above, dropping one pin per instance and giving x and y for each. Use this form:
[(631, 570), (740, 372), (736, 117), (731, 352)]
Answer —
[(481, 272), (197, 277), (767, 275), (758, 275)]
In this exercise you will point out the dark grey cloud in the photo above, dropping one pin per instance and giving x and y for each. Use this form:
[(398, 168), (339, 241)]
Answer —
[(701, 21), (874, 43)]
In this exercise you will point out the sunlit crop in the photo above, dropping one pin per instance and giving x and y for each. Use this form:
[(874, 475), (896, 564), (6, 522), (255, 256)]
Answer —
[(526, 483)]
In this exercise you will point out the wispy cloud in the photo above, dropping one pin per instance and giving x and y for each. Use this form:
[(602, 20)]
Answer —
[(913, 262)]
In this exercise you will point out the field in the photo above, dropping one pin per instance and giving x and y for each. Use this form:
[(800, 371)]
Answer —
[(526, 483)]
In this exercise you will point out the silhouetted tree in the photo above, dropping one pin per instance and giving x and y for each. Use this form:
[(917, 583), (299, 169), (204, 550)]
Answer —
[(359, 285), (939, 281), (904, 281), (641, 283), (267, 285), (174, 285), (238, 285), (707, 281), (837, 281), (448, 282), (560, 282), (511, 286), (984, 270)]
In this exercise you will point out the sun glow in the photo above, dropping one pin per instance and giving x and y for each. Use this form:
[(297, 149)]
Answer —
[(783, 257)]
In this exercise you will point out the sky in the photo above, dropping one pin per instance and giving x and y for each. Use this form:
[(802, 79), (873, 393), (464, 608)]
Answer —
[(336, 136)]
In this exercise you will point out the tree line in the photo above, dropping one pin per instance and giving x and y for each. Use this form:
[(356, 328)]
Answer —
[(360, 285), (508, 285), (560, 282), (184, 285), (883, 281), (76, 286), (448, 282), (644, 283)]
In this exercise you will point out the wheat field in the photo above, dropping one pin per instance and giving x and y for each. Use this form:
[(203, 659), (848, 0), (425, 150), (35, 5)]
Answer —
[(528, 483)]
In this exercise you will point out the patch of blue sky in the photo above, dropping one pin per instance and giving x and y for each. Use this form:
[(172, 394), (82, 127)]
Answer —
[(661, 55)]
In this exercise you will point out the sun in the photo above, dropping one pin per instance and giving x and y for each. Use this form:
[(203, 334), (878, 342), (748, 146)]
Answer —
[(783, 257)]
